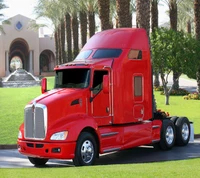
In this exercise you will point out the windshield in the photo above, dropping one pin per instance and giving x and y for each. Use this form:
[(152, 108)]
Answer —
[(83, 55), (107, 53), (72, 78)]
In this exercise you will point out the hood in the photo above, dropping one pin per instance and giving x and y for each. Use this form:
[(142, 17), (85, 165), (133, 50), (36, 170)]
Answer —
[(61, 103)]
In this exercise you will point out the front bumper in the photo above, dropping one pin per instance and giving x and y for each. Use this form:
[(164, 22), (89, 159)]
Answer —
[(47, 150)]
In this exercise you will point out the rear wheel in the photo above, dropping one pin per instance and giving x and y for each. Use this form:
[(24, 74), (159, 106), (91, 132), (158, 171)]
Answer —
[(182, 131), (38, 161), (86, 150), (174, 119), (168, 135)]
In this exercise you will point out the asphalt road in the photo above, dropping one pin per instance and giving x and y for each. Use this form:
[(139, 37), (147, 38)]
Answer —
[(147, 154)]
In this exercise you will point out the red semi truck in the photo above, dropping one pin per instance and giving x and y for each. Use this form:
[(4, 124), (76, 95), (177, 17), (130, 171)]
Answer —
[(102, 102)]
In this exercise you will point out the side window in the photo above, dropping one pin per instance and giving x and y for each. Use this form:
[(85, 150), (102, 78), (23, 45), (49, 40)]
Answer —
[(138, 88), (135, 54), (98, 80)]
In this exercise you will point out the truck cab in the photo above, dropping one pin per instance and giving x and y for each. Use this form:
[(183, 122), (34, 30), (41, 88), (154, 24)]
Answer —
[(102, 102)]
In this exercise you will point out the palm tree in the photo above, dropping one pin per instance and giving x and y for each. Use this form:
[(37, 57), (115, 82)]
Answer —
[(154, 14), (104, 14), (50, 10), (62, 40), (3, 6), (197, 33), (113, 14), (123, 13), (173, 15), (92, 7), (72, 26), (186, 15), (197, 18), (154, 26), (143, 14), (59, 38), (83, 25), (75, 27), (68, 35)]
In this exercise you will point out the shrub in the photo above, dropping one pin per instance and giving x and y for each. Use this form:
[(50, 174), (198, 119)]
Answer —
[(159, 88), (192, 96), (179, 92)]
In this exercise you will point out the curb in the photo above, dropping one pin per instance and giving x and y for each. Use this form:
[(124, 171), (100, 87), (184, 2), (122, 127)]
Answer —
[(8, 147), (2, 147)]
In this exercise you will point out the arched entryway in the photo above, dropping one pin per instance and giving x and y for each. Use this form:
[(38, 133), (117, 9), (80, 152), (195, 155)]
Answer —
[(19, 55), (47, 61)]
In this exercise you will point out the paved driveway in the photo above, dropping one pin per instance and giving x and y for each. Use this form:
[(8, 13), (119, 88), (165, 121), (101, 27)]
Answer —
[(12, 159)]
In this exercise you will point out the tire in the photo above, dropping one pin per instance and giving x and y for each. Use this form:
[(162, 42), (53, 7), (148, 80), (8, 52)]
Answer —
[(38, 161), (168, 135), (174, 119), (86, 150), (182, 131)]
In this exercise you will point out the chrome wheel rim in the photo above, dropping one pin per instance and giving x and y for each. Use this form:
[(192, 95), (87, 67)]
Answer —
[(169, 135), (87, 151), (185, 131)]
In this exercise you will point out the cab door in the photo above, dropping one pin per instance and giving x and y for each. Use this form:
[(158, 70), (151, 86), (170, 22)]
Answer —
[(100, 100)]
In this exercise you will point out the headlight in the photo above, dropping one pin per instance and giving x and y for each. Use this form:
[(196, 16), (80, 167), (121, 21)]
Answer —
[(59, 135), (20, 134)]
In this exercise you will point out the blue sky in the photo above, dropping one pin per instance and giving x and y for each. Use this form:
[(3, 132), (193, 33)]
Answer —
[(26, 7)]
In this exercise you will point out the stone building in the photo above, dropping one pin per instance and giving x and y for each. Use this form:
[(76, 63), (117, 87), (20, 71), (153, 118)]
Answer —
[(21, 47)]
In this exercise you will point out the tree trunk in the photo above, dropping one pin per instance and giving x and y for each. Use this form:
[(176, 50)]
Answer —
[(75, 35), (176, 76), (59, 46), (68, 36), (92, 25), (173, 14), (198, 81), (154, 25), (83, 27), (167, 99), (104, 14), (123, 13), (197, 18), (63, 53), (189, 28), (166, 91), (56, 46), (156, 82), (154, 14), (143, 14)]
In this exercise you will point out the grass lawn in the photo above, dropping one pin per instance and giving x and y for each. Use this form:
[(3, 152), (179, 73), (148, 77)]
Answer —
[(183, 169), (13, 101), (180, 107)]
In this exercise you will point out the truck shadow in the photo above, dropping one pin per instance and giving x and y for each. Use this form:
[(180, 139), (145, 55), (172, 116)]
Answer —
[(147, 154), (144, 154)]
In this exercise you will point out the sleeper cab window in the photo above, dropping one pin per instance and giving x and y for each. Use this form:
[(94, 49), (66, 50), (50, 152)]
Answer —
[(137, 86), (135, 54)]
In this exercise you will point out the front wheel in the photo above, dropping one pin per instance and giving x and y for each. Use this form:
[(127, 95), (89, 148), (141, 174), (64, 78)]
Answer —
[(168, 135), (38, 161), (86, 150), (182, 131)]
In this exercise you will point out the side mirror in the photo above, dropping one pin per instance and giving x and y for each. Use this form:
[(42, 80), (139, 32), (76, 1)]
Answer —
[(43, 85), (106, 84)]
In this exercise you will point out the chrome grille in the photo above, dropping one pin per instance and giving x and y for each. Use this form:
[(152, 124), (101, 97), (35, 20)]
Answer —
[(35, 121)]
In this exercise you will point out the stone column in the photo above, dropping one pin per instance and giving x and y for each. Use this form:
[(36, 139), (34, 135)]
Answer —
[(7, 63), (31, 62)]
